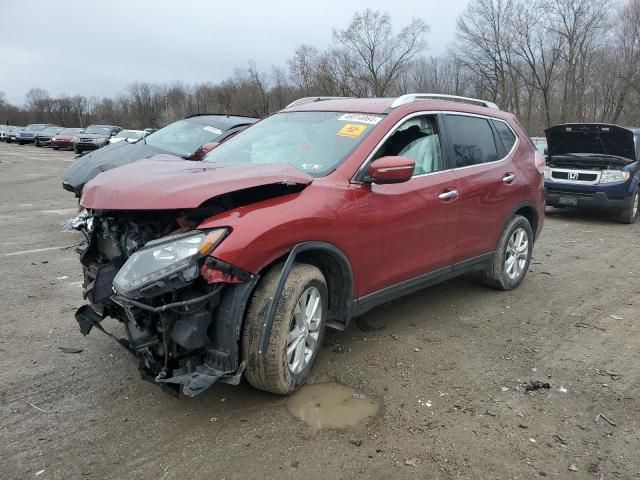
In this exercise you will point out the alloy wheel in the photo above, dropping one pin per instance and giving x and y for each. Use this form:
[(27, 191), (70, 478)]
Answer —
[(517, 253), (302, 340)]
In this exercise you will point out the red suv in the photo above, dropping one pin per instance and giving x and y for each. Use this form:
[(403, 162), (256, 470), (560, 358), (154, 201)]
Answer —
[(305, 220)]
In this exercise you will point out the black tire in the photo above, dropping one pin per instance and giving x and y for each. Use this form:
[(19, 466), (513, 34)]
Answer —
[(628, 215), (56, 148), (20, 143), (77, 150), (272, 372), (37, 143), (496, 275)]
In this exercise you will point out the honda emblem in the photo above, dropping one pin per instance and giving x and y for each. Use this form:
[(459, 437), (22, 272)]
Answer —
[(573, 175)]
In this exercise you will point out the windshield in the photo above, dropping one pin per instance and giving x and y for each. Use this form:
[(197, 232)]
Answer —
[(129, 134), (183, 137), (95, 130), (315, 142), (35, 127), (51, 130), (71, 131)]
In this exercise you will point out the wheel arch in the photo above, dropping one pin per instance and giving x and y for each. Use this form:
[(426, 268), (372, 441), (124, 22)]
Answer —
[(334, 265), (528, 211)]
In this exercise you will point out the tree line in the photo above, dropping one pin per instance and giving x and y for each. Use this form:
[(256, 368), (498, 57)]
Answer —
[(547, 61)]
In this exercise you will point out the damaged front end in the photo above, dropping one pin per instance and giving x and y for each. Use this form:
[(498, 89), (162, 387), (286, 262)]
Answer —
[(181, 307)]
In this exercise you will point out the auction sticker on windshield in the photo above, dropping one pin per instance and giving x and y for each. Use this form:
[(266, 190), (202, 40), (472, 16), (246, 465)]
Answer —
[(351, 130), (215, 130), (361, 117)]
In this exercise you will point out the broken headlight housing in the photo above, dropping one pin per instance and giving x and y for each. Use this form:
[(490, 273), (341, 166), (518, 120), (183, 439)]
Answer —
[(612, 176), (165, 257)]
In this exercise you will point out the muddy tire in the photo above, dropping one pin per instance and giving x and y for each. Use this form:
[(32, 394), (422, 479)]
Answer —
[(630, 214), (279, 372), (512, 256)]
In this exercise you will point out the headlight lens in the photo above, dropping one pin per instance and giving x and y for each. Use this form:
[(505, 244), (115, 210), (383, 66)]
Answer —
[(546, 172), (164, 257), (100, 139), (611, 176)]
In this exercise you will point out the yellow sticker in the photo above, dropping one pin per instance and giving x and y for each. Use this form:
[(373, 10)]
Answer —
[(351, 130)]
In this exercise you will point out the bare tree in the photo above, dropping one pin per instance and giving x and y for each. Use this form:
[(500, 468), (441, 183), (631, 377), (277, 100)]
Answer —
[(378, 56)]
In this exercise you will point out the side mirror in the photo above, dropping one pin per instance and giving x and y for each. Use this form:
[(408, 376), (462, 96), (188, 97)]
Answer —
[(202, 151), (390, 170)]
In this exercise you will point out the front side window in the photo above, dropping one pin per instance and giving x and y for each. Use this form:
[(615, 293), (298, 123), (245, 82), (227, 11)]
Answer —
[(314, 142), (418, 139), (472, 140)]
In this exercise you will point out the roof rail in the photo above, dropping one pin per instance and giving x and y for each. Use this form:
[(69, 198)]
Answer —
[(302, 101), (412, 97)]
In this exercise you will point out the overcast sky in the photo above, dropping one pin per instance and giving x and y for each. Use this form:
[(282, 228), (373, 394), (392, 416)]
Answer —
[(97, 48)]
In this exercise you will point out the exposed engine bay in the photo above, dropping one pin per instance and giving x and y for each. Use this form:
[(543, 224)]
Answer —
[(177, 322), (591, 162)]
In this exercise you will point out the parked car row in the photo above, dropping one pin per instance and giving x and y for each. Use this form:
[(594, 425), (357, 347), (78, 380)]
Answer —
[(78, 139)]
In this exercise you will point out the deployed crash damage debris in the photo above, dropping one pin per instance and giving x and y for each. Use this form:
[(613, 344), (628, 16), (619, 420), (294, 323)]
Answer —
[(181, 307)]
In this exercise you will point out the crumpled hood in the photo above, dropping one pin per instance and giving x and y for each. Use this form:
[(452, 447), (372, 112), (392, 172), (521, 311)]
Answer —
[(591, 138), (111, 156), (166, 182)]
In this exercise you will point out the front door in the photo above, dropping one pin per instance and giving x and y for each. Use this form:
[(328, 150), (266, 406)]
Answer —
[(407, 229)]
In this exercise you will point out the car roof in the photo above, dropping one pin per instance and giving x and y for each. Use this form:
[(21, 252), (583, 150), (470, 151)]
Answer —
[(101, 125), (221, 121), (381, 106)]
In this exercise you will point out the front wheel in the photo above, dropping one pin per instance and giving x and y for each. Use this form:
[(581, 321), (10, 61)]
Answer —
[(630, 214), (297, 333), (512, 256), (77, 150), (37, 143)]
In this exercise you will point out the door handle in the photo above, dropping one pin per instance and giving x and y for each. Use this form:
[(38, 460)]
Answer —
[(509, 178), (448, 195)]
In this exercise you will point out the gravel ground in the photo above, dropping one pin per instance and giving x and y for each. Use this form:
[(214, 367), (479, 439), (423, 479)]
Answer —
[(447, 366)]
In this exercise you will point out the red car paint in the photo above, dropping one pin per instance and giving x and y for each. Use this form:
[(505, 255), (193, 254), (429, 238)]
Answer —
[(390, 233), (64, 141), (171, 184)]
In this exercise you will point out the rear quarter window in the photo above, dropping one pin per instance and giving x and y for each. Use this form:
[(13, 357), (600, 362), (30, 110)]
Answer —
[(506, 135), (472, 140)]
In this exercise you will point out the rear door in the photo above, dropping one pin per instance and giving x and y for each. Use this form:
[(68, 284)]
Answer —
[(486, 178)]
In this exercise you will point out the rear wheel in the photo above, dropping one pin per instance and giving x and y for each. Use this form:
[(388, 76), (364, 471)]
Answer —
[(512, 256), (297, 333), (630, 214)]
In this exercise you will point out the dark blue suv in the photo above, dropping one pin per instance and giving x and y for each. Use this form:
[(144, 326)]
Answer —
[(594, 165)]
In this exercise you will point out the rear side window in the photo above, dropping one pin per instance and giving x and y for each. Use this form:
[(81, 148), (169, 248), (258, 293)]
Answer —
[(472, 140), (505, 134)]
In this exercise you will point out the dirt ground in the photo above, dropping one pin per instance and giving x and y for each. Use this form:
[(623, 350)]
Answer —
[(447, 366)]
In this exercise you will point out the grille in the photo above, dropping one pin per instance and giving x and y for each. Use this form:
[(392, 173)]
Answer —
[(581, 176)]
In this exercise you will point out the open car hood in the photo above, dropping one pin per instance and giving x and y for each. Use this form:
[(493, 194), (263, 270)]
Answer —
[(165, 182), (591, 138)]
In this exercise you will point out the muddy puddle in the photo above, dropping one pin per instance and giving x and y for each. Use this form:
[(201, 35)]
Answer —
[(330, 405)]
